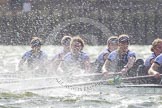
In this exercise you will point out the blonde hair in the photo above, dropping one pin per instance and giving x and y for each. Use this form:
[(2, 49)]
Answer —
[(78, 39), (155, 43)]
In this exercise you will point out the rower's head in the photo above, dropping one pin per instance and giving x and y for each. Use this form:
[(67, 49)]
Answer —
[(123, 42), (157, 46), (36, 43), (76, 44), (65, 41), (112, 43)]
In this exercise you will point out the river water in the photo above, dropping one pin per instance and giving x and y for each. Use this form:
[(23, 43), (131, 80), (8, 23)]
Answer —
[(22, 95)]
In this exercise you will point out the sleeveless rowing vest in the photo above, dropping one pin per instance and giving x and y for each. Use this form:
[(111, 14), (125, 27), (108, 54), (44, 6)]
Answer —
[(148, 60), (34, 60), (71, 61), (119, 61), (100, 60), (158, 60)]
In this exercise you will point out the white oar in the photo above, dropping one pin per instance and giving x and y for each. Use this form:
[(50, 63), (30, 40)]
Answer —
[(40, 83), (68, 86), (96, 83), (94, 75)]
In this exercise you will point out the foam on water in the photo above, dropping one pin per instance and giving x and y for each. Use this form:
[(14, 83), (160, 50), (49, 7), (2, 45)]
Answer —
[(20, 94)]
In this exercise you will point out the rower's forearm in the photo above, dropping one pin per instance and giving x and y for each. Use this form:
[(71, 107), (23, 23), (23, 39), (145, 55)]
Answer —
[(151, 71), (20, 65), (87, 66), (106, 66), (130, 63)]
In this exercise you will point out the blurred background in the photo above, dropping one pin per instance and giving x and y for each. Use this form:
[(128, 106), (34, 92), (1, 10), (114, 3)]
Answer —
[(94, 20)]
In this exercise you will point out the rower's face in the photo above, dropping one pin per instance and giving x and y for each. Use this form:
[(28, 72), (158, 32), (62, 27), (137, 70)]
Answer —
[(36, 48), (158, 48), (66, 44), (112, 46), (123, 47), (76, 47)]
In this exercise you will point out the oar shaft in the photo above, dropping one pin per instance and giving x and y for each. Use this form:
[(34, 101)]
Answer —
[(141, 85), (95, 83), (73, 85), (139, 77), (73, 76)]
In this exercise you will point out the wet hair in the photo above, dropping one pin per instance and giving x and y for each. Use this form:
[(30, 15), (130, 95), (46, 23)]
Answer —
[(36, 41), (112, 39), (123, 38), (155, 43), (78, 39), (66, 40)]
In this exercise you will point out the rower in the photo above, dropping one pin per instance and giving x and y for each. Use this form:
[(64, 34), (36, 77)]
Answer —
[(156, 49), (35, 58), (122, 59), (143, 68), (76, 58), (112, 44), (57, 58), (156, 68)]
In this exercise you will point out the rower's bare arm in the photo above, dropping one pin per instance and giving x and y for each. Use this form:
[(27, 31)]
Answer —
[(87, 65), (61, 66), (61, 69), (153, 69), (20, 65), (106, 66), (131, 62), (129, 65), (55, 63)]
